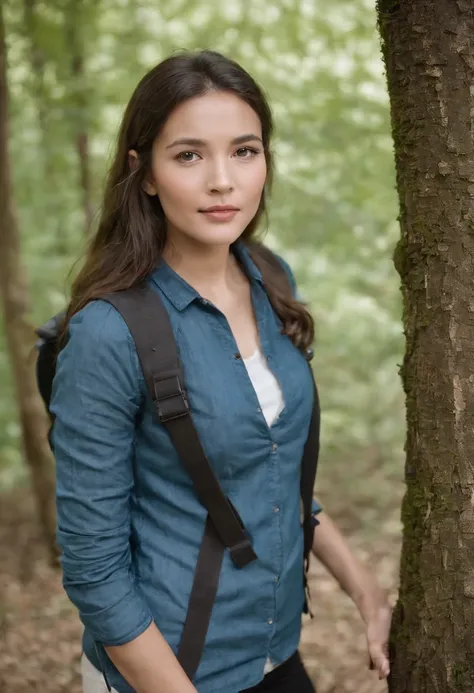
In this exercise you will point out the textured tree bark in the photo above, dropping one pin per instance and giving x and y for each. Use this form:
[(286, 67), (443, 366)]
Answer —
[(19, 334), (428, 48)]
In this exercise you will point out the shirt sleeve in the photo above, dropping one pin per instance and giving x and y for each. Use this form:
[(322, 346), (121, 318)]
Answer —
[(96, 397)]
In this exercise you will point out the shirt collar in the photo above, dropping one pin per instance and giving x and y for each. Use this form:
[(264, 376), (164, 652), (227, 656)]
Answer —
[(181, 294)]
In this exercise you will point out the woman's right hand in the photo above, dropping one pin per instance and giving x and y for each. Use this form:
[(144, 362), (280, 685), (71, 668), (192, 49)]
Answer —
[(378, 632)]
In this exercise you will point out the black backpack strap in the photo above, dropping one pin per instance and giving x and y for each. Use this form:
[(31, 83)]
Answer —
[(149, 324), (201, 600), (309, 467), (47, 346)]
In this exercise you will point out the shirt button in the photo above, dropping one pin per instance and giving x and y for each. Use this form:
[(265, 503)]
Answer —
[(274, 447), (270, 621), (276, 578), (259, 410), (276, 509)]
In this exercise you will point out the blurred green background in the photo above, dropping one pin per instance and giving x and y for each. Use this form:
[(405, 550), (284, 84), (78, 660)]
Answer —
[(72, 68)]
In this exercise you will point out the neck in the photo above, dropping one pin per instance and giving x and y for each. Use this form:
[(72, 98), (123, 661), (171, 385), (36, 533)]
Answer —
[(210, 269)]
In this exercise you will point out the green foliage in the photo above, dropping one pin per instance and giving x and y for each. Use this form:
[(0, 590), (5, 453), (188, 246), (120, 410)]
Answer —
[(334, 208)]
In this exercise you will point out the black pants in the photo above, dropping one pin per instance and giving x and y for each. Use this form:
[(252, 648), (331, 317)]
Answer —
[(289, 677)]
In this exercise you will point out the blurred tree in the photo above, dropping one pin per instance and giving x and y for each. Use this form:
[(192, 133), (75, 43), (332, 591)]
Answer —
[(429, 57), (38, 64), (80, 19), (44, 49), (74, 27), (19, 333)]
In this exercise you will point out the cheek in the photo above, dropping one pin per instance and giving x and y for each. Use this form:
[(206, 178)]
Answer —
[(176, 192), (258, 173), (253, 180)]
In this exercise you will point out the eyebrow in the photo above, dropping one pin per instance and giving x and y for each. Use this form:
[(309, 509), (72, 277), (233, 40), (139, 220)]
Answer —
[(193, 142)]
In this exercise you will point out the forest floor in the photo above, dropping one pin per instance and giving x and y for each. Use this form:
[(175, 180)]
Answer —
[(40, 631)]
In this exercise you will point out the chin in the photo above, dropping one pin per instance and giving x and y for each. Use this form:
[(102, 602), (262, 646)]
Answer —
[(219, 234)]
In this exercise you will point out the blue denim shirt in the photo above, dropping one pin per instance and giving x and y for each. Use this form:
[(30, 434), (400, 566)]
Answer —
[(129, 523)]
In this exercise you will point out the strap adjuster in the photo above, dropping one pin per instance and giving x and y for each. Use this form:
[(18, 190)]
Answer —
[(170, 398), (242, 554)]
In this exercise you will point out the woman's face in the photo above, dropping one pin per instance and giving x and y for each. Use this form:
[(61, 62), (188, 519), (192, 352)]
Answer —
[(209, 154)]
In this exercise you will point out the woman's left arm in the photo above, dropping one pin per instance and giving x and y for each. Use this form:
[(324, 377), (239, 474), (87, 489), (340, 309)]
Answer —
[(330, 547)]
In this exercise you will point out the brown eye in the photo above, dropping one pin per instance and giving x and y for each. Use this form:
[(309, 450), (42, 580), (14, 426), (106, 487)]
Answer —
[(186, 157)]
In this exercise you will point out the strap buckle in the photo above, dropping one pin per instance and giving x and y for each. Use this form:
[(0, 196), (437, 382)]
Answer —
[(170, 398)]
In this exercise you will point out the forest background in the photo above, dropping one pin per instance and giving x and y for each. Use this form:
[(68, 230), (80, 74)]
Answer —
[(71, 68)]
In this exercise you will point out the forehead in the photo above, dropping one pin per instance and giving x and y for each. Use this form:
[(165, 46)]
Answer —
[(213, 116)]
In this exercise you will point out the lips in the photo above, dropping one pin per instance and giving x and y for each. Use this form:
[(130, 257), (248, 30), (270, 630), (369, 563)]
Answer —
[(220, 208), (220, 213)]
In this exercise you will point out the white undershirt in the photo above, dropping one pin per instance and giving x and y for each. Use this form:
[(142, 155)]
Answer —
[(266, 386), (271, 402)]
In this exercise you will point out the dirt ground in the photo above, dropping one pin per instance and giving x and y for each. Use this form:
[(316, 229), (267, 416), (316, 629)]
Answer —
[(40, 632)]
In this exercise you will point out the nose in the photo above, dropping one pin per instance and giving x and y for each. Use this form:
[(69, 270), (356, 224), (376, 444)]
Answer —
[(220, 178)]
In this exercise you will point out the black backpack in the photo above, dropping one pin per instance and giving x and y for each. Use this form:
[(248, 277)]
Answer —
[(158, 355)]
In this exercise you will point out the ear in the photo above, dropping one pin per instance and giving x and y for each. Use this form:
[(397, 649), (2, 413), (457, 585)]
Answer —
[(134, 163), (133, 160)]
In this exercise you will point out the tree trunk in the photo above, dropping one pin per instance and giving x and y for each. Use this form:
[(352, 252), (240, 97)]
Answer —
[(48, 162), (39, 64), (19, 334), (74, 24), (429, 55)]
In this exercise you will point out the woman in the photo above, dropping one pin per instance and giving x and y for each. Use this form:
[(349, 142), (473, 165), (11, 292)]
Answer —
[(184, 197)]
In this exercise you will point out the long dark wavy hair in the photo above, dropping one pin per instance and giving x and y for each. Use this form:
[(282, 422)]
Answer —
[(131, 233)]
